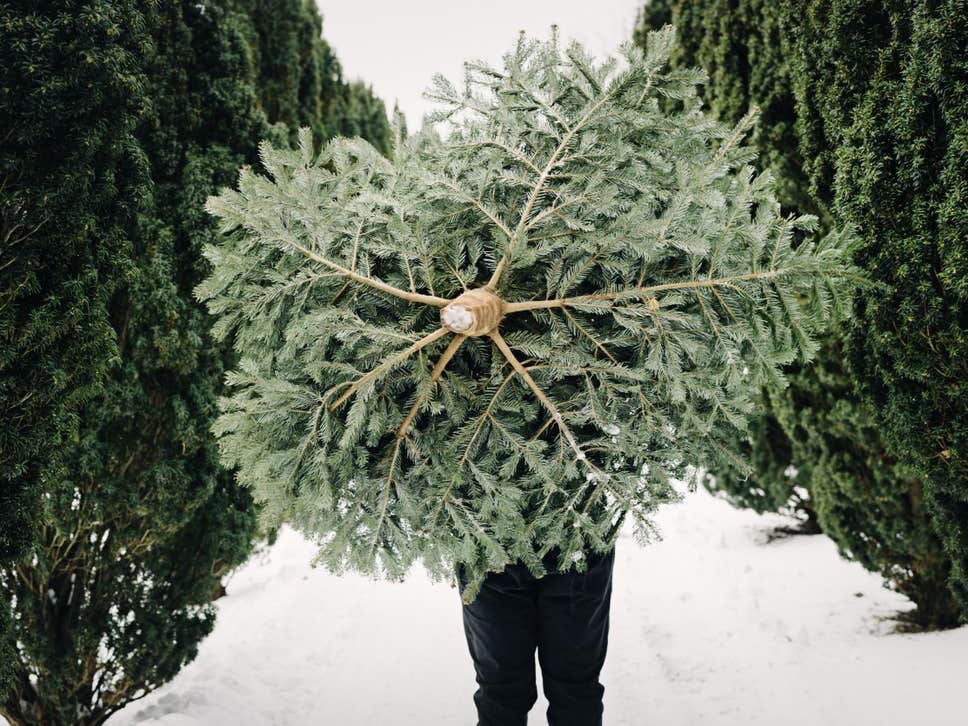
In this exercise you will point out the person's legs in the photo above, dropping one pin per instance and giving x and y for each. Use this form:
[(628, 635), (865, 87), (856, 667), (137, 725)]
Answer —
[(501, 629), (573, 610)]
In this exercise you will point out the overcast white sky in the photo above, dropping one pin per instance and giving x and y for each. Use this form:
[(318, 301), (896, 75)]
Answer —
[(397, 46)]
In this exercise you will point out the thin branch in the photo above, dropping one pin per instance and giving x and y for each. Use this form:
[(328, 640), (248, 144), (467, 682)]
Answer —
[(386, 495), (545, 401), (435, 374), (467, 449), (588, 335), (356, 248), (554, 210), (539, 185), (516, 307), (388, 363), (476, 202), (376, 284), (508, 149), (406, 262)]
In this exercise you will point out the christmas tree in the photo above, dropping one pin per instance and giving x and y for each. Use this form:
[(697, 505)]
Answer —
[(515, 333)]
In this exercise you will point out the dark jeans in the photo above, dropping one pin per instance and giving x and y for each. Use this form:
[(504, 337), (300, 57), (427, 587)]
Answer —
[(564, 616)]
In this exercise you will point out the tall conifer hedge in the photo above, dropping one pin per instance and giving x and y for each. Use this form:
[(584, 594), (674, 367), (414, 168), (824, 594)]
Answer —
[(864, 116), (299, 79), (72, 179), (125, 117)]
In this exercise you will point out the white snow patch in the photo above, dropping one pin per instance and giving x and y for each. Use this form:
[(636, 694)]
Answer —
[(710, 626)]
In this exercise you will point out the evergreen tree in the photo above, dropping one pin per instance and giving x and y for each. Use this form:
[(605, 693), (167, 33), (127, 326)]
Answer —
[(511, 339), (843, 471), (299, 78), (70, 174), (361, 113), (295, 72), (655, 14), (899, 171), (71, 180), (743, 47), (141, 526), (122, 119)]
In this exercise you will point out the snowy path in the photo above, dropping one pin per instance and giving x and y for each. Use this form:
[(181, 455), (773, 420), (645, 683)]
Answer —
[(710, 627)]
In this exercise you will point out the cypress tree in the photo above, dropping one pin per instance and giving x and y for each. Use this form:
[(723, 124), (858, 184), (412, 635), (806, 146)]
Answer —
[(898, 171), (822, 445), (299, 79), (292, 67), (361, 113), (72, 178), (743, 48), (141, 526), (149, 109)]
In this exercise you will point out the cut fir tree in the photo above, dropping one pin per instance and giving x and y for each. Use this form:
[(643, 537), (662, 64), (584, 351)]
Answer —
[(506, 340)]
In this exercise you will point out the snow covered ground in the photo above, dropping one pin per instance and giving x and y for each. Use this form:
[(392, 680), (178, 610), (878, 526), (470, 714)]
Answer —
[(713, 626)]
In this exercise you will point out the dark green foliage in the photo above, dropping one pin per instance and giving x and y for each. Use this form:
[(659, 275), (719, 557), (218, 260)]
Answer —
[(900, 174), (71, 177), (299, 79), (361, 113), (71, 180), (869, 503), (654, 15), (742, 45), (864, 116), (770, 484), (141, 526), (742, 48), (119, 120), (295, 72)]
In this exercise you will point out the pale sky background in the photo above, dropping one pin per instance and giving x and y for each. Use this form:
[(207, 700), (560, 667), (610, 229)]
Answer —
[(398, 46)]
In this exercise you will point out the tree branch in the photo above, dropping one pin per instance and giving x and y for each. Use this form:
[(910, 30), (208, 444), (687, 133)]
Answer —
[(545, 401), (517, 307), (477, 203), (376, 284), (539, 185), (388, 363), (435, 374)]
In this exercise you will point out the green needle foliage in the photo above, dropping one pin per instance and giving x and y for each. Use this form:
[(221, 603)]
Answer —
[(864, 123), (299, 79), (649, 290), (71, 182)]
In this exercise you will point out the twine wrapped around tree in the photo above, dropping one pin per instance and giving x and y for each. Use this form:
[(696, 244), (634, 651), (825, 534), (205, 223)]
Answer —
[(508, 339)]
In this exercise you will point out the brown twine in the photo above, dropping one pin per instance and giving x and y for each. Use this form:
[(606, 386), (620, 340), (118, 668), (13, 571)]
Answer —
[(483, 308)]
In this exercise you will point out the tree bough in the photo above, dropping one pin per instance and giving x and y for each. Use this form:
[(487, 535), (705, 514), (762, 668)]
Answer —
[(494, 392)]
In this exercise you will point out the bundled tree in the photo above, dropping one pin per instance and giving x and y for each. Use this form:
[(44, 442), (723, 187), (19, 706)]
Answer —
[(71, 181), (509, 340), (819, 445)]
